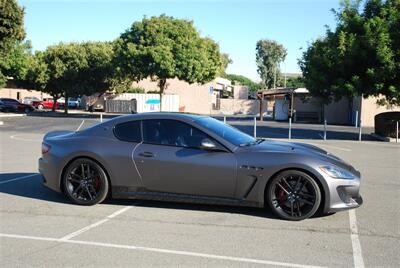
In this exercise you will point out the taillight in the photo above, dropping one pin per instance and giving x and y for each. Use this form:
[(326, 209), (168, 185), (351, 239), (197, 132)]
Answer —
[(45, 148)]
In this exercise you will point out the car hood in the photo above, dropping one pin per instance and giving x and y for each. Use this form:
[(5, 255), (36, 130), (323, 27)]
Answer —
[(271, 146)]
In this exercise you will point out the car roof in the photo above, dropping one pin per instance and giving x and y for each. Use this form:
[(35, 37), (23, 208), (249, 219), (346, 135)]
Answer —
[(160, 115)]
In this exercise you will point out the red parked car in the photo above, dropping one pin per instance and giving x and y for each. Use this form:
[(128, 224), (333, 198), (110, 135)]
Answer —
[(47, 103)]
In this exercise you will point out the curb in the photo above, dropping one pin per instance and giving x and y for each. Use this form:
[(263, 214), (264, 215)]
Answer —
[(381, 138), (11, 115)]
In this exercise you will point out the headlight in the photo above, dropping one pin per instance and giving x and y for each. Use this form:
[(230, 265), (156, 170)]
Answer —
[(337, 172)]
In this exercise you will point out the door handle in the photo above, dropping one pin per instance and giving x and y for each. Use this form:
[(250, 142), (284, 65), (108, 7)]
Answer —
[(146, 154)]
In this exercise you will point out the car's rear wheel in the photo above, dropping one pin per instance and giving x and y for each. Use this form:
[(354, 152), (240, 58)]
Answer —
[(293, 195), (85, 182)]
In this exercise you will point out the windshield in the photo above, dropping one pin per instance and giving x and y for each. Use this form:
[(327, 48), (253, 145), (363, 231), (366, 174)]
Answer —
[(226, 132)]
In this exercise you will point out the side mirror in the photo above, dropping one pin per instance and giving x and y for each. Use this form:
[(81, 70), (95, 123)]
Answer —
[(208, 144)]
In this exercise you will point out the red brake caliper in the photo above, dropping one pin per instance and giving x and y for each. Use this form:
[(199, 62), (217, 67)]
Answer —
[(97, 183)]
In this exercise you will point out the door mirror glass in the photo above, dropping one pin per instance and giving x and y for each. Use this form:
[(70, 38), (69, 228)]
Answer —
[(208, 144)]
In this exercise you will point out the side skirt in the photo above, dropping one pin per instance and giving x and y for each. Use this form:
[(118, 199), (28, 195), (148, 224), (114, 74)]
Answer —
[(121, 192)]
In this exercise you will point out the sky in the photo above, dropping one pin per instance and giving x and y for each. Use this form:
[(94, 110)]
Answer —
[(235, 25)]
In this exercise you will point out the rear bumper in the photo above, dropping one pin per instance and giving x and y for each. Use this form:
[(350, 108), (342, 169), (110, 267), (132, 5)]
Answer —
[(49, 174)]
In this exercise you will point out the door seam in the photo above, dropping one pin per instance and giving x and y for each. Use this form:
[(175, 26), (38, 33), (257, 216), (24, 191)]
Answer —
[(134, 163)]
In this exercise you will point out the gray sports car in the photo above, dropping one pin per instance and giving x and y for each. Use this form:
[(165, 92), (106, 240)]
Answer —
[(192, 158)]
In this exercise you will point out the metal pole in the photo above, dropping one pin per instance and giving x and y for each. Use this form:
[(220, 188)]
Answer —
[(255, 126), (290, 128), (224, 119), (397, 131), (325, 130), (356, 123), (101, 117), (359, 132)]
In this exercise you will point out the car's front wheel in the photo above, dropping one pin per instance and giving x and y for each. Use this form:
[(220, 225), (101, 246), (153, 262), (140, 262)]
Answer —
[(293, 195), (85, 182)]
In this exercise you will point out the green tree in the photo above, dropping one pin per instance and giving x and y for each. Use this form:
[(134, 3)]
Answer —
[(97, 75), (11, 34), (269, 54), (226, 60), (244, 81), (38, 77), (164, 47), (72, 69), (15, 64), (361, 57), (295, 82)]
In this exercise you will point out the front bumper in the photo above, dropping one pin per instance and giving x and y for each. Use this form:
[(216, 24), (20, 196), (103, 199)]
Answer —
[(344, 194)]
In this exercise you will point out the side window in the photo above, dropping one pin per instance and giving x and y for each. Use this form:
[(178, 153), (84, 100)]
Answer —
[(129, 131), (172, 132)]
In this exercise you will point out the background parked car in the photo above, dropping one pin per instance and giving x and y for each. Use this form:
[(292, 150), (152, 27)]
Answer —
[(34, 101), (13, 105), (48, 103), (61, 102), (74, 102)]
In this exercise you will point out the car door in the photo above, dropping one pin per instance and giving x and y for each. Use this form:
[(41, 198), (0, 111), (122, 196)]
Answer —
[(170, 160)]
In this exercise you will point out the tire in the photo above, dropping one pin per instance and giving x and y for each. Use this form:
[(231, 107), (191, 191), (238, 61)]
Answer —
[(293, 195), (85, 182)]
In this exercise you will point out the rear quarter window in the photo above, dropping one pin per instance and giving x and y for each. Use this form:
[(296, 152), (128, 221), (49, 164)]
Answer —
[(129, 131)]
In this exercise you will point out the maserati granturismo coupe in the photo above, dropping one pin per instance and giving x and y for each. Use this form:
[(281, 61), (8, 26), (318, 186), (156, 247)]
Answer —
[(192, 158)]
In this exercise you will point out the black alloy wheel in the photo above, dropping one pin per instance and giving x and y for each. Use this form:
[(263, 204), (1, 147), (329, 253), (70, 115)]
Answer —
[(85, 182), (293, 195)]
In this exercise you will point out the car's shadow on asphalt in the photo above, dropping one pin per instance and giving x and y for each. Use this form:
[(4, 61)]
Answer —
[(31, 187), (249, 211)]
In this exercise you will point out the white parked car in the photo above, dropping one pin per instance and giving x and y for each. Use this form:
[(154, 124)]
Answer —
[(72, 102), (61, 101), (30, 100)]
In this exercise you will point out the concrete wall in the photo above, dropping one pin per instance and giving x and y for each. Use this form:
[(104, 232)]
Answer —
[(193, 98), (369, 109), (240, 92), (145, 104), (237, 106), (338, 112), (13, 93)]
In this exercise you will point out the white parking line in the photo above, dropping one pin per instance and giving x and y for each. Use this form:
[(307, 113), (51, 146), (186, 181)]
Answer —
[(79, 127), (161, 250), (18, 138), (19, 178), (355, 241), (84, 229)]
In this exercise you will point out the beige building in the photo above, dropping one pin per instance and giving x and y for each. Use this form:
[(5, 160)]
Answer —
[(346, 111), (20, 94), (216, 97)]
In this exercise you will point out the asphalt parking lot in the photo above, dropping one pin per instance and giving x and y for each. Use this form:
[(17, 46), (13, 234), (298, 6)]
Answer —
[(39, 227)]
